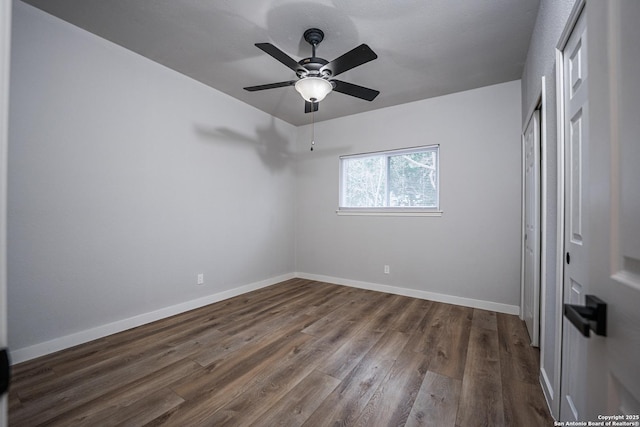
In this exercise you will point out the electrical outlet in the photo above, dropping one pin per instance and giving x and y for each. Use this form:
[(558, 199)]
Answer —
[(386, 269), (200, 279)]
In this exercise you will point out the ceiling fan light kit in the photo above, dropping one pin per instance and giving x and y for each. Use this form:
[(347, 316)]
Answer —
[(313, 89)]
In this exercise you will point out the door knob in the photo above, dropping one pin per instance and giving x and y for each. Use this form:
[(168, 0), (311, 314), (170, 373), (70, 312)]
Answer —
[(591, 316), (568, 258)]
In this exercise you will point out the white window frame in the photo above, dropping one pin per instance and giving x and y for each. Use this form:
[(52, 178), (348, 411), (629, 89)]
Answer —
[(390, 211)]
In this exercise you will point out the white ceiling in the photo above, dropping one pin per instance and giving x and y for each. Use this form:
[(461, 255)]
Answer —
[(425, 48)]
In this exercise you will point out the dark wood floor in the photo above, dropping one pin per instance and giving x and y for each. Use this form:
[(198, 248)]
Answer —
[(296, 353)]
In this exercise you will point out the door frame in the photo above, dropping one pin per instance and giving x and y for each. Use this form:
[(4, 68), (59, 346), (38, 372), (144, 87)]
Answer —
[(5, 62), (578, 8)]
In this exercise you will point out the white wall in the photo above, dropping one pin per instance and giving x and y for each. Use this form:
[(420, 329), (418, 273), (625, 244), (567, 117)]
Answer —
[(552, 15), (551, 20), (472, 252), (126, 179)]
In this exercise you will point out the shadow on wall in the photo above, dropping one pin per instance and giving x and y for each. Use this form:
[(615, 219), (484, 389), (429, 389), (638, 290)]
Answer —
[(320, 148), (274, 148)]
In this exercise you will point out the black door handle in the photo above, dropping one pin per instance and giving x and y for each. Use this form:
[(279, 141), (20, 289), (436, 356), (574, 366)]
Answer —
[(5, 371), (568, 258), (591, 316)]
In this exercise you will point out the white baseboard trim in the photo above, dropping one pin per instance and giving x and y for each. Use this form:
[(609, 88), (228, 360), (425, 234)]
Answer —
[(546, 384), (547, 390), (414, 293), (68, 341), (57, 344)]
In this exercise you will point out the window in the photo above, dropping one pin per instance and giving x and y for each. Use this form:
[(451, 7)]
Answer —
[(396, 182)]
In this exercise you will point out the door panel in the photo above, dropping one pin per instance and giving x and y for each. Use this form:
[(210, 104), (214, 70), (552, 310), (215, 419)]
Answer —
[(574, 353), (531, 288), (575, 183), (575, 67)]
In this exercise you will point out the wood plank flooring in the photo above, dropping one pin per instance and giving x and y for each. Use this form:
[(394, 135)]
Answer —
[(299, 353)]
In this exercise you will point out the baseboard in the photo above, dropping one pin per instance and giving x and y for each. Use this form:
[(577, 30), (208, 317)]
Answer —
[(61, 343), (414, 293), (547, 390), (546, 384), (57, 344)]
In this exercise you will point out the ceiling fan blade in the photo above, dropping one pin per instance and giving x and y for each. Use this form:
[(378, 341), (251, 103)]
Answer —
[(280, 56), (355, 57), (308, 105), (355, 90), (270, 86)]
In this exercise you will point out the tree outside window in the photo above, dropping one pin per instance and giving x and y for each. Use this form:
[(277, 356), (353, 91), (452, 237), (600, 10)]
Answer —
[(392, 179)]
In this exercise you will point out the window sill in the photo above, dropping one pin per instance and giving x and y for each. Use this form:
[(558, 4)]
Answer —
[(388, 212)]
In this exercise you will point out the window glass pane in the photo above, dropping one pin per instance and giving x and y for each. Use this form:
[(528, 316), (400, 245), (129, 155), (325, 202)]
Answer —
[(412, 180), (364, 181), (396, 179)]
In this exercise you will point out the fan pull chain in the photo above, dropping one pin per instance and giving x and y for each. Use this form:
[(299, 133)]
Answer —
[(313, 123)]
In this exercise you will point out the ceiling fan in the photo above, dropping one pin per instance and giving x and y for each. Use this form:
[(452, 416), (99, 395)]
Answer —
[(316, 75)]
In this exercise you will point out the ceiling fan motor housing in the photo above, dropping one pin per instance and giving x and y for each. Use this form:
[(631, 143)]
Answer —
[(314, 36), (313, 65)]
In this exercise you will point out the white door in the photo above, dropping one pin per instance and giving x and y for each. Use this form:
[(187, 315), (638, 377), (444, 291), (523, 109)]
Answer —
[(576, 139), (601, 374), (614, 266), (531, 285)]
